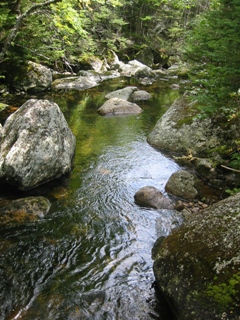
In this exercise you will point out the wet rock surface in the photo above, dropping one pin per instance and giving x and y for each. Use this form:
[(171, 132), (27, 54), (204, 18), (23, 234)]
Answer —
[(150, 196)]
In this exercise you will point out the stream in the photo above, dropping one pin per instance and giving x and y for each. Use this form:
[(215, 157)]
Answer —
[(89, 258)]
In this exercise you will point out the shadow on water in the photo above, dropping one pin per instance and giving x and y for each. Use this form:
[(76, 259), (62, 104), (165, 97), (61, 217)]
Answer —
[(90, 257)]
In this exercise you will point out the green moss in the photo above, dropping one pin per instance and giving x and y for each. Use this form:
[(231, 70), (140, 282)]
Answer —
[(181, 122), (3, 106), (226, 295), (183, 73)]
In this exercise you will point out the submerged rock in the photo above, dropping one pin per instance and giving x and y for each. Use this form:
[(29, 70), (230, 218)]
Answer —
[(24, 210), (150, 196), (36, 145), (197, 265), (117, 106)]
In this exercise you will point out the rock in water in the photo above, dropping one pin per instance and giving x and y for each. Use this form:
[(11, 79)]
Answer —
[(150, 196), (36, 145), (182, 184), (24, 210), (116, 106)]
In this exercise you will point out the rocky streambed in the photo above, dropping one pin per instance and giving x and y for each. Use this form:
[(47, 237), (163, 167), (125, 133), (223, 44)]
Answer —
[(197, 266)]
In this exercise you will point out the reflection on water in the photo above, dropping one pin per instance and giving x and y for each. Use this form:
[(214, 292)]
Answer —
[(90, 257)]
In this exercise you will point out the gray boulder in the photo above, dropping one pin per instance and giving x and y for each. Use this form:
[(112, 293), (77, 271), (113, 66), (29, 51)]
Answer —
[(197, 266), (124, 93), (84, 80), (136, 69), (129, 94), (36, 145), (183, 185), (179, 131), (24, 210), (76, 83), (35, 77), (117, 106), (150, 196), (140, 95)]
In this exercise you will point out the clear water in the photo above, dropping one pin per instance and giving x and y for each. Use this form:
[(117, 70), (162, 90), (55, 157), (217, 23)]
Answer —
[(90, 257)]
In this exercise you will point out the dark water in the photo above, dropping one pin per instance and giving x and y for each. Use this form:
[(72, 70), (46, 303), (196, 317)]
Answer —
[(90, 257)]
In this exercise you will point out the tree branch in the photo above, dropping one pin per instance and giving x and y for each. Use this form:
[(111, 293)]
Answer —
[(19, 21)]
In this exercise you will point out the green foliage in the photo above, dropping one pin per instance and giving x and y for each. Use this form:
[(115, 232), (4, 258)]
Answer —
[(225, 294), (235, 161), (214, 44), (233, 191)]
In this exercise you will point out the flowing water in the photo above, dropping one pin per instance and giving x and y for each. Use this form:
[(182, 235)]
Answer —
[(90, 256)]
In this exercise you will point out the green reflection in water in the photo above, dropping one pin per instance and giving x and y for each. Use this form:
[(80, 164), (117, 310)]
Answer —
[(95, 133)]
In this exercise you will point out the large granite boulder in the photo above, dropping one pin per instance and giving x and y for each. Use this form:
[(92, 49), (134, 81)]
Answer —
[(195, 140), (36, 145), (197, 266), (150, 196), (178, 130), (183, 184), (117, 106), (129, 93), (34, 77)]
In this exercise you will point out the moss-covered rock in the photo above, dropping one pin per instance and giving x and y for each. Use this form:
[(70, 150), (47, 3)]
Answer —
[(197, 266), (195, 140)]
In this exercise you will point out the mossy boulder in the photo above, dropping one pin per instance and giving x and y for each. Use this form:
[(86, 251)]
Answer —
[(33, 77), (183, 184), (197, 267), (195, 140), (179, 130)]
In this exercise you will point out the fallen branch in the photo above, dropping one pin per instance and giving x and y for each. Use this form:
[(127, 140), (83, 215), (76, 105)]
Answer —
[(231, 169)]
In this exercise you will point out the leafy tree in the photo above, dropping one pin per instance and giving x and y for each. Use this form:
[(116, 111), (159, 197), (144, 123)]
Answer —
[(18, 12), (214, 46), (161, 24)]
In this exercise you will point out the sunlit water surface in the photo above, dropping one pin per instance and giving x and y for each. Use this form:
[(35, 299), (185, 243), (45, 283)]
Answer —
[(90, 257)]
